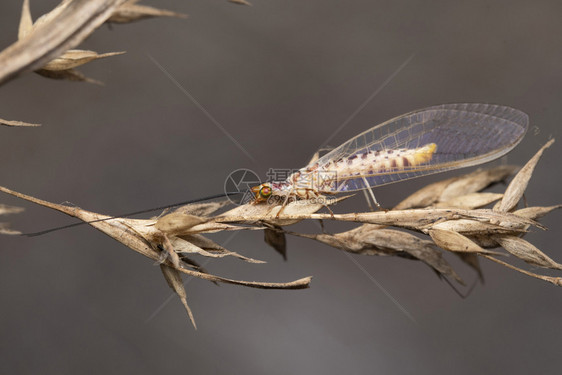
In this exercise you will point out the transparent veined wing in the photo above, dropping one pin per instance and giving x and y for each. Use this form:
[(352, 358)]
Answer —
[(458, 135)]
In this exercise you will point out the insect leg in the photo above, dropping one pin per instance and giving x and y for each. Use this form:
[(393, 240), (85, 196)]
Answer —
[(316, 155), (285, 201), (368, 187)]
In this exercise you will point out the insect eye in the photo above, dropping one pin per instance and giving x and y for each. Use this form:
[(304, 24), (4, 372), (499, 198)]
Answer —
[(265, 191)]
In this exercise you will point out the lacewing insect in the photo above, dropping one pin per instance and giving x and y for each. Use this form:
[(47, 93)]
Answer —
[(419, 143)]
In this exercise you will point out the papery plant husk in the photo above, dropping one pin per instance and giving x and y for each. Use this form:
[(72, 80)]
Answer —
[(46, 45), (63, 66), (131, 11), (450, 213)]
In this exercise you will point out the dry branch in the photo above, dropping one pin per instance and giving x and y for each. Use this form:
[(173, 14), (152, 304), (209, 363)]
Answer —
[(172, 239)]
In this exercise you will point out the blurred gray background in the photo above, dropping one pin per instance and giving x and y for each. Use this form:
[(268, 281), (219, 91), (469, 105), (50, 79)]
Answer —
[(280, 77)]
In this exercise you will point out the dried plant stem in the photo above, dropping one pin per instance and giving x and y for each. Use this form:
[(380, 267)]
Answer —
[(417, 219), (134, 233), (75, 21), (554, 280), (452, 217)]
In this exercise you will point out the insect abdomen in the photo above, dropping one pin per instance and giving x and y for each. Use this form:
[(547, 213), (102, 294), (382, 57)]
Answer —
[(373, 162)]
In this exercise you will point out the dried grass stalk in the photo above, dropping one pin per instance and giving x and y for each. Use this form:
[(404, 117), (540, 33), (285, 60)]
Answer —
[(44, 46), (63, 66), (452, 224), (62, 29), (17, 123)]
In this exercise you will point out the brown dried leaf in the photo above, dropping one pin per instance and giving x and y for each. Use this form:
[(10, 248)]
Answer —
[(276, 239), (476, 181), (60, 30), (405, 242), (203, 242), (456, 186), (517, 187), (180, 245), (68, 75), (62, 65), (534, 213), (485, 240), (130, 12), (470, 201), (74, 58), (526, 252), (456, 242), (173, 277), (177, 223), (17, 123), (472, 227), (142, 237), (371, 239), (426, 196)]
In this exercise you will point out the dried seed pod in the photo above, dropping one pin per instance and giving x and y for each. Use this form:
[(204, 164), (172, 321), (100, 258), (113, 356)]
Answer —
[(456, 242), (173, 277), (535, 213), (470, 201), (369, 239), (472, 227), (177, 223), (74, 58), (52, 35), (526, 252), (67, 75), (180, 245), (456, 186), (517, 187), (131, 12), (476, 181)]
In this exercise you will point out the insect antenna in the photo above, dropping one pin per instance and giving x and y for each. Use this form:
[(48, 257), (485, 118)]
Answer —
[(34, 234)]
